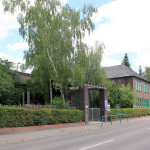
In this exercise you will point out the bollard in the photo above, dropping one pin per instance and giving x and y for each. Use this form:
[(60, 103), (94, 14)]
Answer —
[(111, 120), (120, 119)]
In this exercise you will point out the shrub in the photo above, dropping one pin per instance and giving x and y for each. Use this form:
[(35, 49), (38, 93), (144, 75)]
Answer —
[(20, 117), (58, 101), (121, 95), (132, 112), (128, 97)]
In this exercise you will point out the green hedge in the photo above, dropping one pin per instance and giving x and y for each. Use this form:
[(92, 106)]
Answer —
[(20, 117), (132, 112)]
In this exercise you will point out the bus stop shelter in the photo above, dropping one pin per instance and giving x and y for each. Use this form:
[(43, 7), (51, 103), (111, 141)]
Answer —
[(80, 99)]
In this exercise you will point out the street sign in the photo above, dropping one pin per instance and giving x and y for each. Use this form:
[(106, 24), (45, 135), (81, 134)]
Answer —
[(108, 107)]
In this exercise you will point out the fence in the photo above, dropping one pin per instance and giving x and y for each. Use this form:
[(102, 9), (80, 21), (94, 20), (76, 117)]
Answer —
[(29, 106), (94, 114)]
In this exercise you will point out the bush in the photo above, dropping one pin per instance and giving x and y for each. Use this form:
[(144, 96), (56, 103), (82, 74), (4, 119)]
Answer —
[(20, 117), (128, 97), (58, 101), (132, 112), (121, 95)]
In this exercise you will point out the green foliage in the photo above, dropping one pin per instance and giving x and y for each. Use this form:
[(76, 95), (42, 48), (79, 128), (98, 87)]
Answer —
[(128, 97), (38, 84), (19, 117), (114, 94), (140, 71), (125, 60), (121, 95), (10, 91), (58, 101), (94, 99), (147, 73), (54, 33), (132, 112), (87, 66)]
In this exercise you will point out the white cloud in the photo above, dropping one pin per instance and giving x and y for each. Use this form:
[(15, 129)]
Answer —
[(10, 58), (17, 61), (18, 46), (107, 61), (128, 29), (7, 22), (63, 1), (142, 59)]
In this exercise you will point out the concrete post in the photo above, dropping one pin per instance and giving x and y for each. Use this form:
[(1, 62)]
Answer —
[(103, 100), (23, 98), (28, 97), (86, 103)]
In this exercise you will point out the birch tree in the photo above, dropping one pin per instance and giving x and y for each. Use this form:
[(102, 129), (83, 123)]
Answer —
[(87, 66), (54, 31)]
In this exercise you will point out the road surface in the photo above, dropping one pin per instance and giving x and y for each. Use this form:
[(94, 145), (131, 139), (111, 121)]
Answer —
[(134, 136)]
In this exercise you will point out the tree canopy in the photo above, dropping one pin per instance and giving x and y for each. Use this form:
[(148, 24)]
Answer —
[(140, 71), (128, 97), (147, 73), (125, 60), (87, 66), (55, 33), (121, 95), (10, 91), (114, 95)]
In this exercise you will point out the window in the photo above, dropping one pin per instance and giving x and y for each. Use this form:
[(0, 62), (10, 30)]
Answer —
[(146, 88), (138, 86), (142, 103), (137, 103)]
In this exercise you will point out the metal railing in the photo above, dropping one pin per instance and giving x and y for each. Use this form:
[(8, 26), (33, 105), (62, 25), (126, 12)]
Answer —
[(114, 116)]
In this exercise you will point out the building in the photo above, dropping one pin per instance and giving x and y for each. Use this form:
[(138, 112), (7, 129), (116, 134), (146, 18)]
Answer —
[(122, 74), (23, 77)]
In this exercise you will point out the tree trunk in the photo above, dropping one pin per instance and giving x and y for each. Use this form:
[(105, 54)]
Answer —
[(62, 93), (50, 91)]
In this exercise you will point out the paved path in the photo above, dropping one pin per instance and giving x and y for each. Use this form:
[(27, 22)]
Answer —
[(16, 137)]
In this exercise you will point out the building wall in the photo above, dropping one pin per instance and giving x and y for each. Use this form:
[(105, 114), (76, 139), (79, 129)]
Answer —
[(24, 77), (77, 97), (125, 81), (141, 94), (133, 81)]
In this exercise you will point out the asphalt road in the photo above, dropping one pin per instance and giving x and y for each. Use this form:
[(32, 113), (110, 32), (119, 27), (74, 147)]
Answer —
[(134, 136)]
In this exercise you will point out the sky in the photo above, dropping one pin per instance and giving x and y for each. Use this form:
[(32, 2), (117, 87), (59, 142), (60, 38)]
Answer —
[(122, 25)]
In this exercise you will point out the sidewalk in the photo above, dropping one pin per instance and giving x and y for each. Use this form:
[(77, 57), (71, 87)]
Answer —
[(22, 136)]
